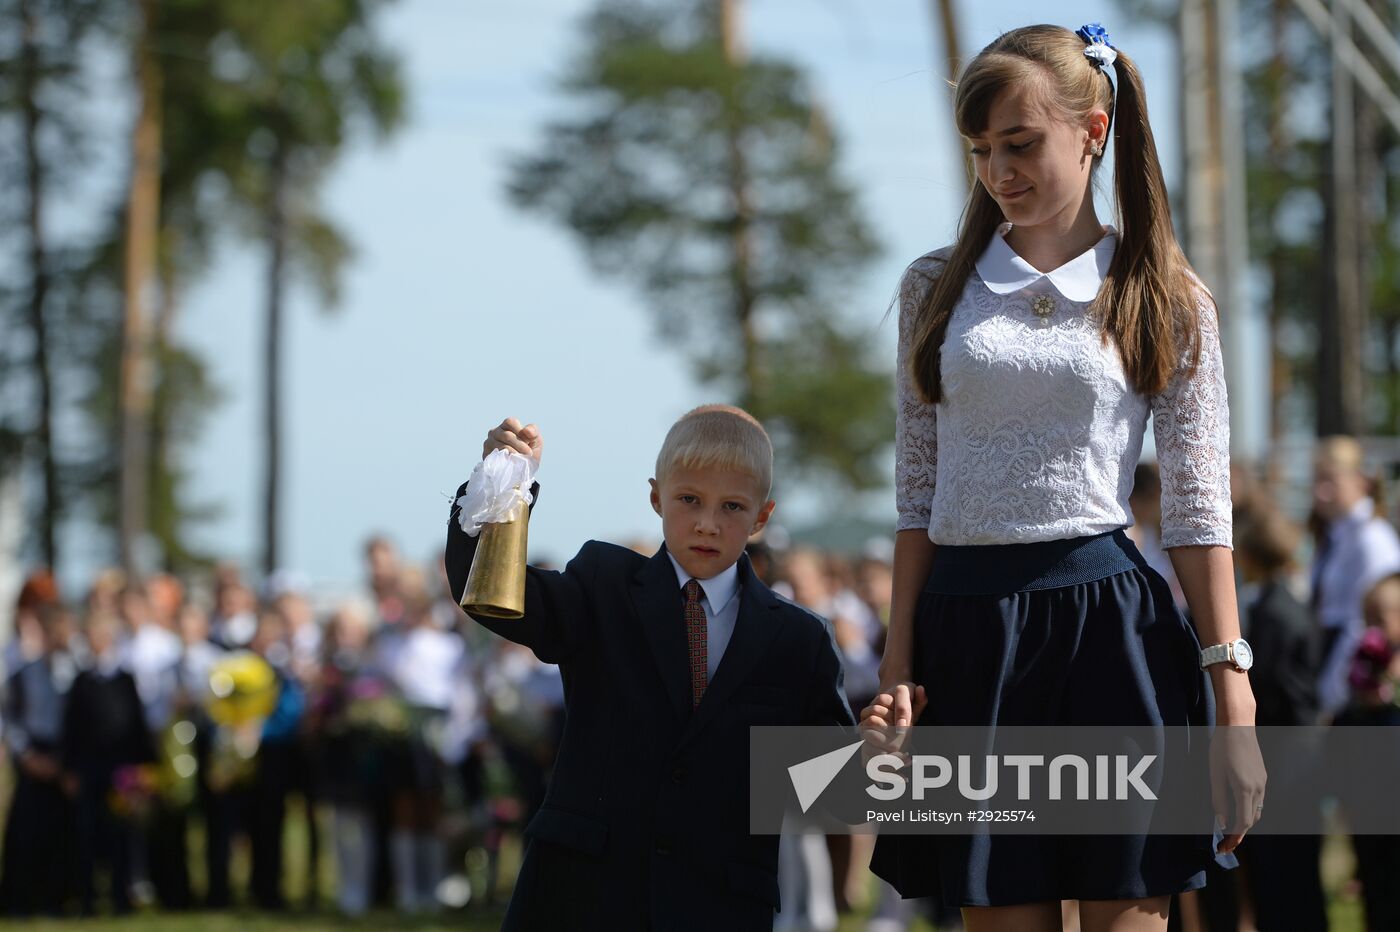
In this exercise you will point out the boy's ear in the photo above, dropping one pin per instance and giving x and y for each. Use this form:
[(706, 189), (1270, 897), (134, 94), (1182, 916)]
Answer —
[(655, 496), (764, 514)]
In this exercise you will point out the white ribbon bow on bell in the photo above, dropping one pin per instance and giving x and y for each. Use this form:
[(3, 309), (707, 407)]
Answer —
[(498, 483)]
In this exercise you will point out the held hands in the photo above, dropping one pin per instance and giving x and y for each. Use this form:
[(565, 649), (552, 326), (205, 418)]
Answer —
[(1236, 764), (510, 434), (884, 724)]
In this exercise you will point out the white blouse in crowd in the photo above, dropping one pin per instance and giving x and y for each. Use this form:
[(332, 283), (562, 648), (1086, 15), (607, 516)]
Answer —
[(1039, 429), (1361, 549)]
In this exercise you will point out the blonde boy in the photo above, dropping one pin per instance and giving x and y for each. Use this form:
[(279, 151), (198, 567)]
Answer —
[(667, 661)]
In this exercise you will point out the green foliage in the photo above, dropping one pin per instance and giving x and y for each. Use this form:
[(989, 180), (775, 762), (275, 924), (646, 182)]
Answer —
[(261, 91), (44, 144), (1289, 177), (183, 397), (713, 187), (308, 73), (827, 402), (241, 82), (1287, 73)]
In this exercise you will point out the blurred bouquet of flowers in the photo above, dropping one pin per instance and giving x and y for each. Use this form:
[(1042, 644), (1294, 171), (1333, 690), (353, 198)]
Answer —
[(243, 688), (133, 788), (243, 691), (375, 710), (1375, 669)]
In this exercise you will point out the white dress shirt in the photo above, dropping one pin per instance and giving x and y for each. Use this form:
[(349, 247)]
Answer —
[(1039, 429), (721, 603), (196, 662), (152, 654), (427, 664)]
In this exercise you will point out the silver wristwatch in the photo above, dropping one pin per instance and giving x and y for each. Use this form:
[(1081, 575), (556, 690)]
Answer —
[(1236, 652)]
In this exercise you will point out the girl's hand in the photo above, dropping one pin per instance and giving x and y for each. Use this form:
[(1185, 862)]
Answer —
[(1237, 781), (884, 724), (512, 435)]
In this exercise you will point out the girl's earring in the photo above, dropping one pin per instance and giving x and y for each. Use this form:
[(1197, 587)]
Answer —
[(1096, 149)]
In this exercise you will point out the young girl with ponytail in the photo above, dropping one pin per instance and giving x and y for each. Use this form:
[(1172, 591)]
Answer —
[(1031, 353)]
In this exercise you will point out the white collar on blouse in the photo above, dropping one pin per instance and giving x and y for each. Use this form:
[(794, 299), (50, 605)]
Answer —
[(1078, 279), (718, 589), (1361, 513)]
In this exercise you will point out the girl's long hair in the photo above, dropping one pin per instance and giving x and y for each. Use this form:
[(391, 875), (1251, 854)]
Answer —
[(1148, 304)]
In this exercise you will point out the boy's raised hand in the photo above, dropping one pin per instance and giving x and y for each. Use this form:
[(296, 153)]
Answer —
[(510, 434)]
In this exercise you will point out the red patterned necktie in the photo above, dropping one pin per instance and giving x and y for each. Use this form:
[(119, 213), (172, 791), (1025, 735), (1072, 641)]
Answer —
[(697, 636)]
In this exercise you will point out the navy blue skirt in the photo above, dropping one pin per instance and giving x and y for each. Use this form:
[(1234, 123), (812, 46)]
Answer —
[(1066, 632)]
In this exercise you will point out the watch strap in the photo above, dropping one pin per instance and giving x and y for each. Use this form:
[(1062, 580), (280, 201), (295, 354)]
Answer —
[(1216, 653)]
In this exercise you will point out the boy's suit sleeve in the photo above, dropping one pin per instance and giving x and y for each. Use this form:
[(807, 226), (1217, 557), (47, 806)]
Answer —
[(826, 704), (556, 604)]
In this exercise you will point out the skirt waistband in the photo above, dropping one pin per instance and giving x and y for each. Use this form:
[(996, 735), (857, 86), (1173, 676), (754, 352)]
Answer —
[(998, 569)]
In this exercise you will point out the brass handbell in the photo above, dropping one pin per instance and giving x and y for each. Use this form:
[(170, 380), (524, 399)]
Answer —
[(496, 583)]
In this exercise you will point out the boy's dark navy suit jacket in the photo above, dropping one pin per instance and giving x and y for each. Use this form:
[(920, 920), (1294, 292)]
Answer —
[(645, 825)]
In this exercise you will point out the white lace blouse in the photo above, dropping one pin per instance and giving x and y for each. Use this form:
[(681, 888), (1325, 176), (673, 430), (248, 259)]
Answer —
[(1039, 431)]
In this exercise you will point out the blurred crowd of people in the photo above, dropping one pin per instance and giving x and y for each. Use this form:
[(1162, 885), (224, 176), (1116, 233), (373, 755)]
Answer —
[(410, 736), (150, 707)]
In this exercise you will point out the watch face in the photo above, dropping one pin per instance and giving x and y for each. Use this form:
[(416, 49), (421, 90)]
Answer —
[(1244, 655)]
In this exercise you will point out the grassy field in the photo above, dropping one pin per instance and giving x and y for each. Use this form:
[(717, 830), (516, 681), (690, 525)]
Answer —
[(259, 922), (484, 913), (1345, 913)]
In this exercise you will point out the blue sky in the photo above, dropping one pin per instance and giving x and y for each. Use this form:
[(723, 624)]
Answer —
[(460, 310)]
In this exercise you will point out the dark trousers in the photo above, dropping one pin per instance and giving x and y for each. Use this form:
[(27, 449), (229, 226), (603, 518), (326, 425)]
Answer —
[(218, 808), (266, 819), (304, 781), (1378, 866), (1285, 879), (38, 850), (169, 856), (103, 838), (1219, 900)]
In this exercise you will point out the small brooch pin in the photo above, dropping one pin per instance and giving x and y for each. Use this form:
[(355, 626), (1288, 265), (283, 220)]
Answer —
[(1043, 306)]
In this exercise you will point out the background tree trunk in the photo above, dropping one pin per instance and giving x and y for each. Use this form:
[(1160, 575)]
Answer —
[(1280, 365), (1341, 365), (945, 16), (272, 359), (741, 243), (29, 72), (142, 227)]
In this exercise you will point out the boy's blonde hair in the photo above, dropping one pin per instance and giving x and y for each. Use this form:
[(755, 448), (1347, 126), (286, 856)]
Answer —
[(718, 437), (1341, 451)]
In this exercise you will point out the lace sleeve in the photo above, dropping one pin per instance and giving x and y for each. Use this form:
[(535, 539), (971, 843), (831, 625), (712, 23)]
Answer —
[(1191, 422), (915, 430)]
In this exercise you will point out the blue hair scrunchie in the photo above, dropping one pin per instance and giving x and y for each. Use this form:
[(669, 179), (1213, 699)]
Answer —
[(1097, 47)]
